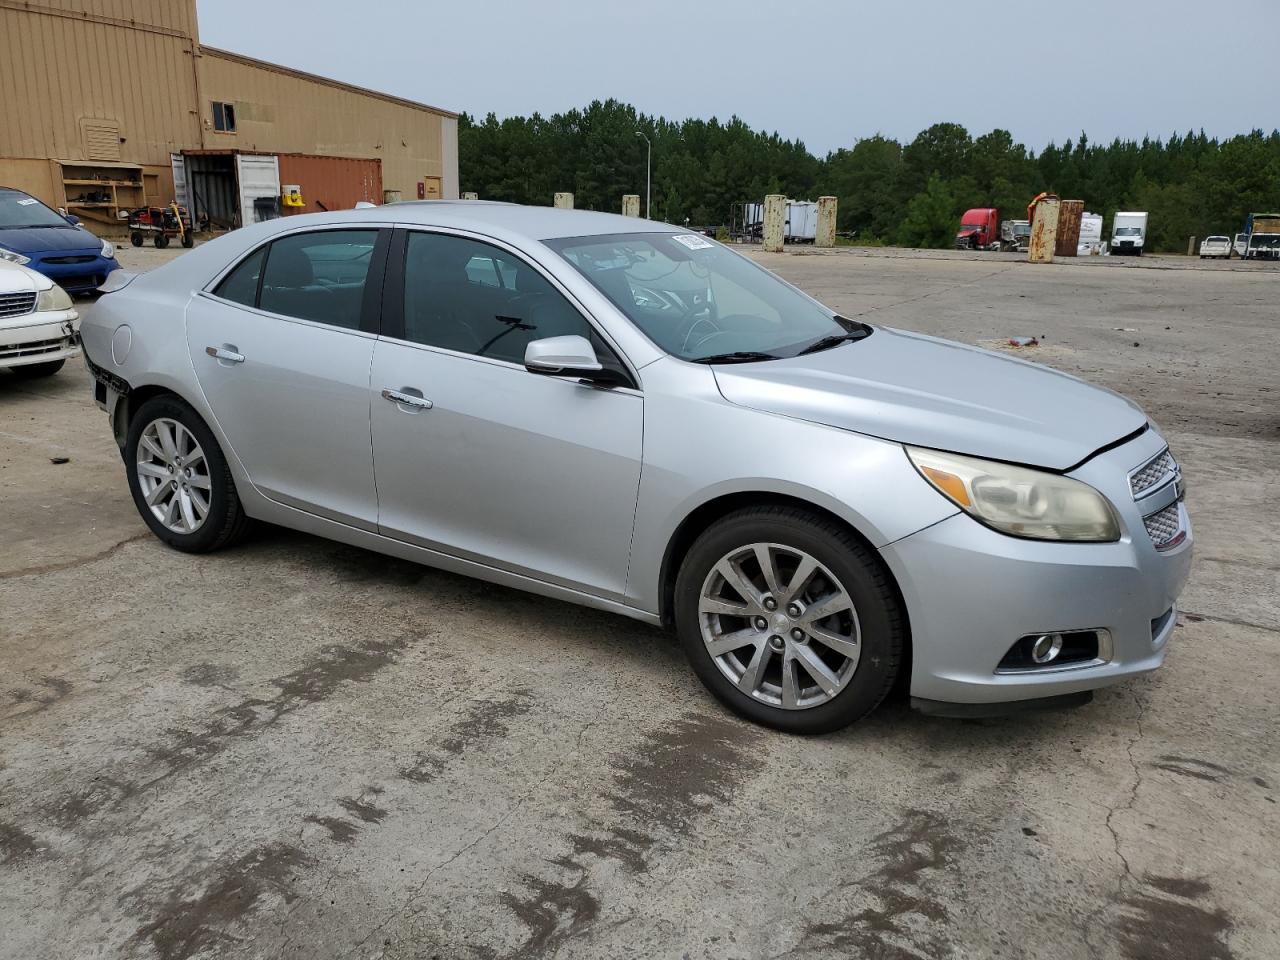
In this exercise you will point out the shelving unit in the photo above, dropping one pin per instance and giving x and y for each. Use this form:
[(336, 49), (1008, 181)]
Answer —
[(119, 187)]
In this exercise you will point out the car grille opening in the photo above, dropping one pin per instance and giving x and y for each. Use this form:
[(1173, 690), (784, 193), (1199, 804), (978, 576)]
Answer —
[(32, 348), (1158, 626), (1164, 527), (16, 304), (1151, 473), (1080, 646), (78, 258)]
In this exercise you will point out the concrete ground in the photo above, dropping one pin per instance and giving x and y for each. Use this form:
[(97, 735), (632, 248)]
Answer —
[(300, 749)]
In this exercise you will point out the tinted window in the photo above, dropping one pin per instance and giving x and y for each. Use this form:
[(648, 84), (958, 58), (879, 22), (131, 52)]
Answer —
[(319, 276), (468, 296), (241, 284)]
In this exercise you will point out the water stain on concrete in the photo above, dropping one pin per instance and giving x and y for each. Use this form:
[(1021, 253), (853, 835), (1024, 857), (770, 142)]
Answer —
[(210, 675), (16, 844), (1167, 920), (340, 830), (627, 847), (362, 810), (679, 773), (554, 914), (27, 702), (483, 722), (231, 892), (904, 917)]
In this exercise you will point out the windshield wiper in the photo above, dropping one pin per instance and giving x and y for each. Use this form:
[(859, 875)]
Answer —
[(834, 340), (738, 356)]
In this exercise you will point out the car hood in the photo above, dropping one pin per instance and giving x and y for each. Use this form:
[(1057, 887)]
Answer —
[(40, 240), (920, 390)]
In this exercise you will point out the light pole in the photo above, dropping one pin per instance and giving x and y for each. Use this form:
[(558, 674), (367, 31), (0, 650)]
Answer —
[(648, 178)]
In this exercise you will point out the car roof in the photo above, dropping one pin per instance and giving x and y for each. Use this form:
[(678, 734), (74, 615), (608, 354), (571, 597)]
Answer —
[(485, 216)]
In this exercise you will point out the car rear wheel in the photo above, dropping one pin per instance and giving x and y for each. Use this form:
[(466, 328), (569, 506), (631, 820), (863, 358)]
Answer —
[(33, 371), (180, 480), (789, 619)]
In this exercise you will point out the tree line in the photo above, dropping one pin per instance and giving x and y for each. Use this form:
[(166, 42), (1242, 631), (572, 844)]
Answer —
[(889, 192)]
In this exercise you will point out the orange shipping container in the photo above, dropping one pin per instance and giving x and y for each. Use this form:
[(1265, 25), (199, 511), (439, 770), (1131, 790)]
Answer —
[(331, 183)]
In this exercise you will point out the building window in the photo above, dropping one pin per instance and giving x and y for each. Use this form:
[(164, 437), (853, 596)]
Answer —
[(224, 117)]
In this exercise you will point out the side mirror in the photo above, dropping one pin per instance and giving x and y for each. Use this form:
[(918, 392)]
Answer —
[(73, 219), (561, 355)]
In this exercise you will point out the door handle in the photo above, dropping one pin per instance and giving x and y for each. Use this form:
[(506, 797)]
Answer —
[(408, 399), (224, 353)]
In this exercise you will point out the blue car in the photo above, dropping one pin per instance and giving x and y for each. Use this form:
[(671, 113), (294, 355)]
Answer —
[(39, 237)]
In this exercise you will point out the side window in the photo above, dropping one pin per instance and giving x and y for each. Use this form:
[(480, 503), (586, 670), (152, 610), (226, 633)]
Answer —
[(468, 296), (319, 276), (241, 284)]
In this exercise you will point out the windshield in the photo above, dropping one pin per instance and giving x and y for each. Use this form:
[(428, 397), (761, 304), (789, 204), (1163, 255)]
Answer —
[(971, 226), (1022, 229), (696, 299), (1128, 231), (18, 210)]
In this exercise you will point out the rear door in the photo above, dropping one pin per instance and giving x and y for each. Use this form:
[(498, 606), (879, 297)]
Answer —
[(281, 346)]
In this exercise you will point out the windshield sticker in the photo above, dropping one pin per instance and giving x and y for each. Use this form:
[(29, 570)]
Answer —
[(693, 241), (28, 201)]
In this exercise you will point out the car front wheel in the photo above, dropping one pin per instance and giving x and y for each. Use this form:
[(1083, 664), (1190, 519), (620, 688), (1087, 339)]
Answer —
[(789, 619), (180, 480)]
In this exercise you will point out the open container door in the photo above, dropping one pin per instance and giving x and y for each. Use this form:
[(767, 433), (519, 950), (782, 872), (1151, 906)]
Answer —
[(259, 179)]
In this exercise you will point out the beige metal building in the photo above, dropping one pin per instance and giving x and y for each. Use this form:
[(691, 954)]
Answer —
[(113, 104)]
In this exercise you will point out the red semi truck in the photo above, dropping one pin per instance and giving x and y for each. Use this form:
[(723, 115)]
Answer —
[(979, 230)]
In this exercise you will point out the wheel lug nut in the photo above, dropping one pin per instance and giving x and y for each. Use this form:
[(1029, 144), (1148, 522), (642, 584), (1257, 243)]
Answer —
[(776, 642), (770, 603), (761, 623), (793, 610), (797, 635)]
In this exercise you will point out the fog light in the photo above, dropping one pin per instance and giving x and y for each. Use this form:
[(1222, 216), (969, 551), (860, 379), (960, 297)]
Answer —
[(1046, 648)]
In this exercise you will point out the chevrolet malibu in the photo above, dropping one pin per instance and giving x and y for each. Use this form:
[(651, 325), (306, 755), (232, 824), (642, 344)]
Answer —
[(620, 414)]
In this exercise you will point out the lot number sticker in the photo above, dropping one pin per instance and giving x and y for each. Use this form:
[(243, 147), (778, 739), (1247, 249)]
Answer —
[(693, 241)]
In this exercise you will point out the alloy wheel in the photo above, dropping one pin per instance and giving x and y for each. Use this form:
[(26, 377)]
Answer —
[(779, 626), (173, 475)]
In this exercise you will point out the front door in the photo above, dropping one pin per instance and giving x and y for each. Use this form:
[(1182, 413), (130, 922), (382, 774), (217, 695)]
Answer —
[(283, 361), (481, 459)]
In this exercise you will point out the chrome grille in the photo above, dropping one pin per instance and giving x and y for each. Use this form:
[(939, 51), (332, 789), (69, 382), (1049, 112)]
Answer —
[(1163, 525), (16, 304), (1151, 473)]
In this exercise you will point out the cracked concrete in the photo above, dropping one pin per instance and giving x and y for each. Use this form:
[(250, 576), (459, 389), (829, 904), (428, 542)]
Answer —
[(298, 749)]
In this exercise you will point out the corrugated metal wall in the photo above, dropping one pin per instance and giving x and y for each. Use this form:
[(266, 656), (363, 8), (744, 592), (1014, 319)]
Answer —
[(277, 111), (62, 68), (331, 183)]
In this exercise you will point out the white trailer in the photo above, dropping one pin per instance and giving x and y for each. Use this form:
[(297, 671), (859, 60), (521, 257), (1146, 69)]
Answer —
[(1090, 242)]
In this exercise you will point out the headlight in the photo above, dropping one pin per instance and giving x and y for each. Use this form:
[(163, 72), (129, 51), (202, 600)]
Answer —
[(108, 249), (1017, 500), (13, 257), (55, 298)]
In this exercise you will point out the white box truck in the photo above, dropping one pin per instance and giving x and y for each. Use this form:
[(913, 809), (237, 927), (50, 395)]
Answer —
[(1128, 233)]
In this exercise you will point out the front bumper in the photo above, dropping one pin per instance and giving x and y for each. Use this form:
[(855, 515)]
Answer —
[(39, 338), (971, 593), (84, 275)]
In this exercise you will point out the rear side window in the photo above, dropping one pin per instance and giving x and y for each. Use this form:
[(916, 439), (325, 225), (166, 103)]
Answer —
[(241, 284), (319, 276)]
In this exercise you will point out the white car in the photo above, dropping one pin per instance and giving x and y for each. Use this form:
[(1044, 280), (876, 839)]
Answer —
[(39, 326), (1217, 247)]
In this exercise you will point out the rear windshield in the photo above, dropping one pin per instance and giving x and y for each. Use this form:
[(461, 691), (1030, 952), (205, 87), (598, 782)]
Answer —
[(19, 210)]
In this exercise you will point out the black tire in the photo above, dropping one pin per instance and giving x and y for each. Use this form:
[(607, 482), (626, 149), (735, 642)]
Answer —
[(860, 572), (161, 241), (226, 521), (34, 371), (137, 239), (188, 240)]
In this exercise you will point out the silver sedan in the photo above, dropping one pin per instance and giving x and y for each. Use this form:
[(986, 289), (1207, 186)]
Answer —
[(620, 414)]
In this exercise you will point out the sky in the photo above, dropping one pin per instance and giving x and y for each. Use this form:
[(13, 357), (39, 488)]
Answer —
[(827, 73)]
